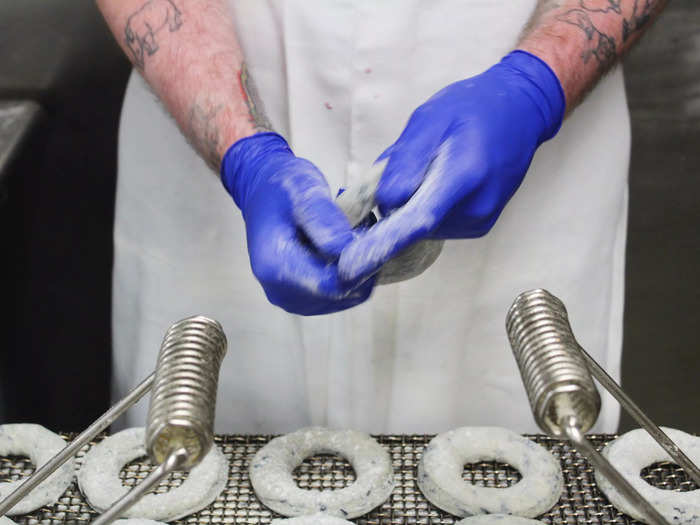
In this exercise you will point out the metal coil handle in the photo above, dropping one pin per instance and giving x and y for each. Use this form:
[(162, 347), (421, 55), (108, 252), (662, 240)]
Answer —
[(558, 383), (183, 401), (180, 426), (556, 373)]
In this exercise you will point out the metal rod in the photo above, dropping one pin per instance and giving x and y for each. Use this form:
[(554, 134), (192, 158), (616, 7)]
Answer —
[(173, 462), (74, 446), (606, 469), (631, 407)]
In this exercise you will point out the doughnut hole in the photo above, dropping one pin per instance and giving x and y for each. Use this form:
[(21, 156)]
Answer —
[(668, 476), (13, 468), (324, 472), (136, 471), (491, 474)]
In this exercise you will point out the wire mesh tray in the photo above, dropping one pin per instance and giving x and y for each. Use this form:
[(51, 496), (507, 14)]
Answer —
[(581, 501)]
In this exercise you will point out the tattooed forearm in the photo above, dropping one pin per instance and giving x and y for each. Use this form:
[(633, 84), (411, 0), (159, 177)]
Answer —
[(206, 120), (610, 6), (249, 92), (639, 18), (188, 52), (203, 132), (582, 39), (602, 46), (143, 26)]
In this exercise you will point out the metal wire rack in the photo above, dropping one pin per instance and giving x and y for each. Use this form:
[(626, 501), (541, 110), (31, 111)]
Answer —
[(581, 502)]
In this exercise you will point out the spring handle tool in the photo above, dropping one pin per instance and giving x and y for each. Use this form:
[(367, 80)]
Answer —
[(558, 378), (99, 425), (180, 425)]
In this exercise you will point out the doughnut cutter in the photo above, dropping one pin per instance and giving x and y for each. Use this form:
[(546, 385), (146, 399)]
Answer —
[(180, 426), (557, 374)]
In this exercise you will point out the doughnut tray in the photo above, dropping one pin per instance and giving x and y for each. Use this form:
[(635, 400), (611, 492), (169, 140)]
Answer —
[(581, 502)]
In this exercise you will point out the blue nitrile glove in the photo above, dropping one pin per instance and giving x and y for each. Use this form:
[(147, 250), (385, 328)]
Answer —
[(295, 231), (460, 158)]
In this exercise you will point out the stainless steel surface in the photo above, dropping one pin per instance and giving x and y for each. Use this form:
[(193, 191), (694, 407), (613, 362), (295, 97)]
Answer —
[(183, 402), (557, 381), (581, 502), (660, 364), (72, 448), (173, 462), (16, 120), (640, 417), (605, 467)]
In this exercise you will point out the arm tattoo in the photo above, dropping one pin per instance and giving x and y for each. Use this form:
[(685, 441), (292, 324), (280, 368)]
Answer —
[(639, 18), (250, 94), (613, 5), (143, 26), (204, 133), (604, 47)]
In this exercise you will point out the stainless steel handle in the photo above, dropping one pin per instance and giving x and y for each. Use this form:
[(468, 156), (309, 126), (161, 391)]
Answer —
[(556, 373), (180, 426), (557, 381), (183, 401)]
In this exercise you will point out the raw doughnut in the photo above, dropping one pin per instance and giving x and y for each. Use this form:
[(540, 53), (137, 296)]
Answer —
[(40, 444), (271, 473), (440, 473), (314, 519), (635, 450), (498, 519), (357, 202), (411, 262), (99, 479)]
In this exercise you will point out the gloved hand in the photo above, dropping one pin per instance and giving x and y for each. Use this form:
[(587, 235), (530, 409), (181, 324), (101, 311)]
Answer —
[(295, 232), (460, 158)]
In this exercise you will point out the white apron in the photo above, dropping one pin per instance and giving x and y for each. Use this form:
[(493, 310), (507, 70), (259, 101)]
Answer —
[(339, 80)]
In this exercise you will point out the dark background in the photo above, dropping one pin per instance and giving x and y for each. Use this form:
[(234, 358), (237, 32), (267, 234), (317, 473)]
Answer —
[(56, 226)]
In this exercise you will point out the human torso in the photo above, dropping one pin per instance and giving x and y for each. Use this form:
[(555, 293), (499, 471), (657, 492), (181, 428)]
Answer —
[(339, 79)]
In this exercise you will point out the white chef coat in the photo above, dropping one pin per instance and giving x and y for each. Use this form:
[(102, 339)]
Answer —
[(339, 79)]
